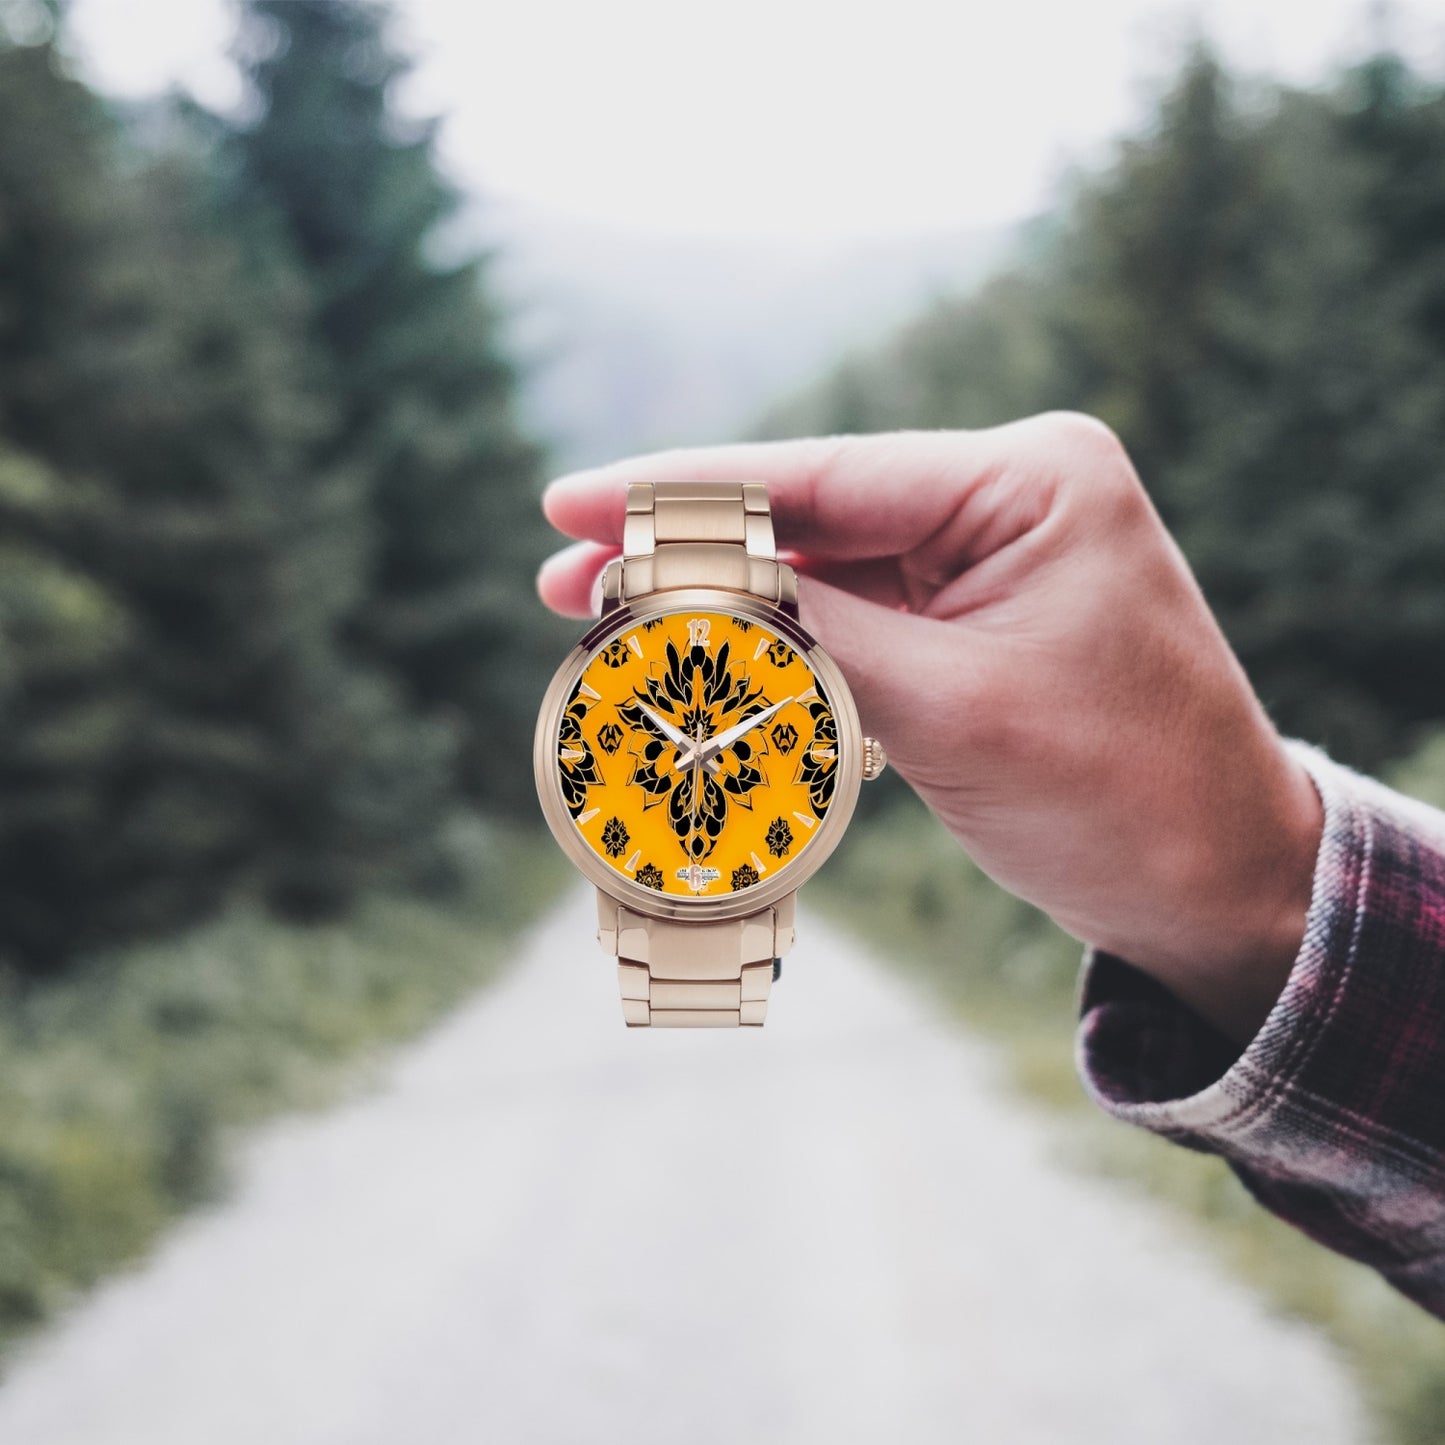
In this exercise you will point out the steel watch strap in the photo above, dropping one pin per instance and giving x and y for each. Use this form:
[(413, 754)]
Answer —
[(716, 974), (695, 975), (699, 534)]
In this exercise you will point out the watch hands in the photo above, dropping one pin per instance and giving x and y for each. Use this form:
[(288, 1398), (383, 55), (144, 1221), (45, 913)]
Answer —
[(677, 738), (707, 751)]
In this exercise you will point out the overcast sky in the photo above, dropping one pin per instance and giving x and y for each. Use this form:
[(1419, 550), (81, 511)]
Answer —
[(799, 119)]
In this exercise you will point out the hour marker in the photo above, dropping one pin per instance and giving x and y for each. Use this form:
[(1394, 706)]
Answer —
[(758, 863), (634, 644), (587, 816), (812, 692), (571, 755), (590, 692), (804, 819), (632, 862), (825, 754), (697, 877), (697, 631), (763, 644)]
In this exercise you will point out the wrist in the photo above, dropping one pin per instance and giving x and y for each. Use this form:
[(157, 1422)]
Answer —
[(1246, 900)]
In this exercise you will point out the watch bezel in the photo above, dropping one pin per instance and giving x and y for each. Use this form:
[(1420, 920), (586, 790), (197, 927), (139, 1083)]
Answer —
[(831, 826)]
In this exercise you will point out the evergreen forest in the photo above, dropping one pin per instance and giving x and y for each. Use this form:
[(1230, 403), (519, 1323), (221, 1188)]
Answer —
[(269, 521)]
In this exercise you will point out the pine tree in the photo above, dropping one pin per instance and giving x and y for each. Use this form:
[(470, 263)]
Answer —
[(164, 392), (1392, 122), (412, 352), (1163, 254), (65, 709)]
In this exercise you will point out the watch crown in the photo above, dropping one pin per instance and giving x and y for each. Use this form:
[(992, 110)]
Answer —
[(875, 758)]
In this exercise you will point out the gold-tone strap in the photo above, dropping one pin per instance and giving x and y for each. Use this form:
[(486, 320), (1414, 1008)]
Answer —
[(697, 975), (694, 975), (699, 534)]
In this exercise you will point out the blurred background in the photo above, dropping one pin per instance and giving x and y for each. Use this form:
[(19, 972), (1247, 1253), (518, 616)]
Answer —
[(301, 301)]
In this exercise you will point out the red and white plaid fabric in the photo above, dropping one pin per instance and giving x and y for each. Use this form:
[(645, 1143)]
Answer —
[(1334, 1114)]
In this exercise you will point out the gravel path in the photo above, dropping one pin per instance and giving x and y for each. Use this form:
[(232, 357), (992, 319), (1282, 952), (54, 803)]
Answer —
[(545, 1228)]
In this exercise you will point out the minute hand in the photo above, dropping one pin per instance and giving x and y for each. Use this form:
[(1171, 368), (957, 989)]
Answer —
[(714, 745)]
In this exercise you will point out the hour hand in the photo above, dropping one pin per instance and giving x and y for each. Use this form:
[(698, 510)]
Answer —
[(677, 738)]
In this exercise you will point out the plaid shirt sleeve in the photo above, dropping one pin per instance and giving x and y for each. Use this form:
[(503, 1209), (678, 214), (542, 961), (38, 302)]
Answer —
[(1334, 1114)]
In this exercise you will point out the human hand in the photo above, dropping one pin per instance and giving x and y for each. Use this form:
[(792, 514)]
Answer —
[(1026, 640)]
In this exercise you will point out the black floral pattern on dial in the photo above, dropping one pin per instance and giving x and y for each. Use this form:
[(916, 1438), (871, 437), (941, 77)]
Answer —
[(781, 653), (650, 876), (615, 837), (780, 837), (576, 761), (609, 737), (742, 624), (785, 737), (653, 623), (615, 654), (701, 694), (818, 768), (745, 876)]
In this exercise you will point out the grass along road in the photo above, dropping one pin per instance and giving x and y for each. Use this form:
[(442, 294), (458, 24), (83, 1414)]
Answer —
[(122, 1081)]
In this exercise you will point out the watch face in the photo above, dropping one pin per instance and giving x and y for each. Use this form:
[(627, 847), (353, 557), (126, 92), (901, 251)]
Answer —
[(697, 753)]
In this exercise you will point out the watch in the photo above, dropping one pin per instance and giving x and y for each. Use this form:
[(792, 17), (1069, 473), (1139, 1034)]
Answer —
[(698, 755)]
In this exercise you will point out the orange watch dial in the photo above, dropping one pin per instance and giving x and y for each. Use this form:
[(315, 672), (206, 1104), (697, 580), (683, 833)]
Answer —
[(697, 753)]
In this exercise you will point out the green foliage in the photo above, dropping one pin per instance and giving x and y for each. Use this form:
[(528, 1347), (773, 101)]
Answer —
[(1422, 773), (64, 713), (118, 1082), (267, 615), (218, 459), (1006, 971), (160, 397), (1253, 295), (410, 344)]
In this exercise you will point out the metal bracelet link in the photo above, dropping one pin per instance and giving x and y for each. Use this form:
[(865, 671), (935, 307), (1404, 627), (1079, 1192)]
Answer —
[(699, 534), (680, 975)]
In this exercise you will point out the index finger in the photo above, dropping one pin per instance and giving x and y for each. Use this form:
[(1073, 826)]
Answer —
[(845, 498)]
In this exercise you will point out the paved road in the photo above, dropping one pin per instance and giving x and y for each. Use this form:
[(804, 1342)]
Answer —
[(544, 1228)]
